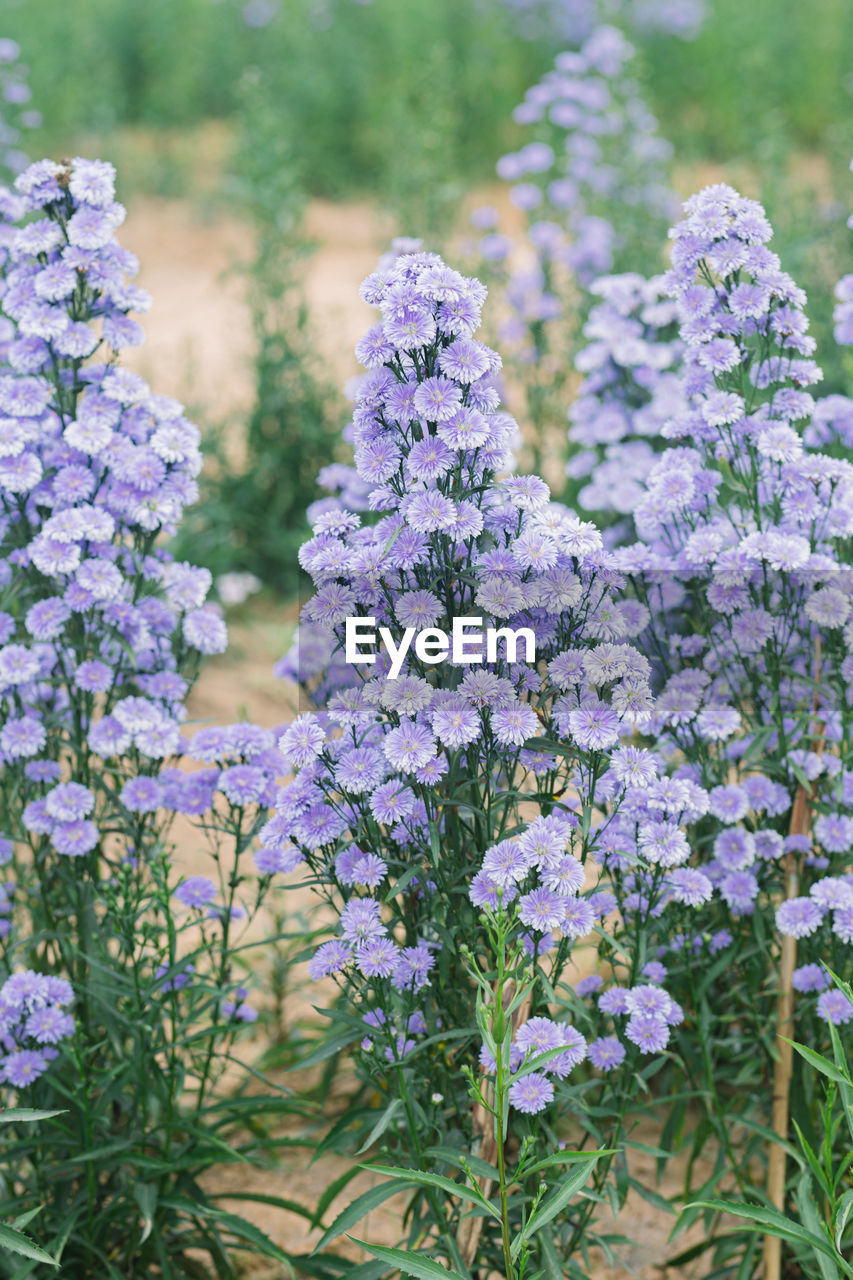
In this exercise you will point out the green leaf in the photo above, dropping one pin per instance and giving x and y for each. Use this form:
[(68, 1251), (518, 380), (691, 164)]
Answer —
[(555, 1203), (231, 1223), (24, 1219), (17, 1242), (359, 1271), (821, 1064), (331, 1192), (650, 1196), (100, 1153), (769, 1220), (145, 1195), (842, 1213), (567, 1157), (335, 1044), (258, 1197), (451, 1155), (356, 1210), (458, 1189), (26, 1114), (381, 1125), (808, 1215), (411, 1264), (552, 1269)]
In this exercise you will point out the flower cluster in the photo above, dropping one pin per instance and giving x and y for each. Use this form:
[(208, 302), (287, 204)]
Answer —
[(102, 630), (33, 1021), (632, 387), (572, 21), (101, 636), (750, 593), (596, 167), (593, 184)]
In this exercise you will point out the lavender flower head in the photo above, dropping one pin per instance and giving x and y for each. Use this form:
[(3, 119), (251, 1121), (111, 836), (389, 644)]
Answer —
[(33, 1021)]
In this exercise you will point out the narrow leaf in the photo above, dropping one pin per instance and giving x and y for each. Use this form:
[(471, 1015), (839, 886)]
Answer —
[(411, 1264)]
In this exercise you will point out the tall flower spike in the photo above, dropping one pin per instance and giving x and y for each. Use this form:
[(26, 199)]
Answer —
[(102, 629), (630, 391), (392, 770), (593, 184), (745, 571)]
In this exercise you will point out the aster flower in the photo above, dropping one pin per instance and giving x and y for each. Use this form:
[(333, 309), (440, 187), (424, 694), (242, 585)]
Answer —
[(835, 1007), (196, 891), (531, 1094)]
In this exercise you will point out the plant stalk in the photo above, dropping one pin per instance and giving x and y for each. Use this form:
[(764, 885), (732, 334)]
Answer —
[(801, 823)]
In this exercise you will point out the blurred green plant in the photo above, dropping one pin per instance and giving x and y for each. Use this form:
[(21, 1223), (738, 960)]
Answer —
[(251, 513), (756, 71)]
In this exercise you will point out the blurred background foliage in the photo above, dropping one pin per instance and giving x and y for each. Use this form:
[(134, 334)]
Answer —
[(354, 81)]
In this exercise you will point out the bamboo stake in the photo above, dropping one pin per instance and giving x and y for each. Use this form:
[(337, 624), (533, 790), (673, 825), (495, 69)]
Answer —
[(801, 824)]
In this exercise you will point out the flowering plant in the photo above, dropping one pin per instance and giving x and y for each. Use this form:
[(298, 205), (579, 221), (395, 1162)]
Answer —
[(131, 1006), (450, 809), (592, 183), (743, 566)]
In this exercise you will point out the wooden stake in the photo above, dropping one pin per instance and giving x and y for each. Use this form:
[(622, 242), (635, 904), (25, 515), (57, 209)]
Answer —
[(801, 825)]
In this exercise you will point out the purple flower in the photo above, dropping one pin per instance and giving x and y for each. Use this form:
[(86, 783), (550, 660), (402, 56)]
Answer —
[(606, 1053), (205, 631), (271, 862), (243, 784), (360, 920), (49, 1025), (506, 863), (810, 977), (835, 1006), (329, 958), (531, 1094), (74, 839), (542, 910), (408, 747), (799, 917), (594, 725), (412, 968), (578, 918), (142, 794), (690, 886), (196, 891), (23, 1067), (93, 676), (513, 725), (22, 736), (651, 1001), (360, 769), (376, 956), (586, 986), (649, 1033)]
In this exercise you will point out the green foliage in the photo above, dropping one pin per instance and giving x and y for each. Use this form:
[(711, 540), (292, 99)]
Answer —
[(819, 1225), (251, 515), (349, 81), (758, 70)]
